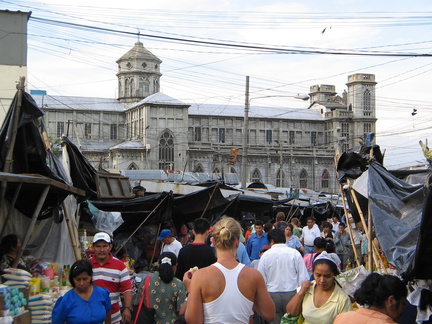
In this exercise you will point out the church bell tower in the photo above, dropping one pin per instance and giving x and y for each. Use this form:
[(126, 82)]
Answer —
[(138, 74)]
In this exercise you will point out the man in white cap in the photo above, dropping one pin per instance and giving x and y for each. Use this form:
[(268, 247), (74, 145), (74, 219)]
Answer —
[(110, 273), (169, 243)]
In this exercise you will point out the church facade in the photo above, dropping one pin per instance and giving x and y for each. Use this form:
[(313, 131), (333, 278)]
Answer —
[(146, 129)]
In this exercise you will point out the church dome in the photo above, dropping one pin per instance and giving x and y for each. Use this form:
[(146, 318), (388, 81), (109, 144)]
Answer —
[(139, 52)]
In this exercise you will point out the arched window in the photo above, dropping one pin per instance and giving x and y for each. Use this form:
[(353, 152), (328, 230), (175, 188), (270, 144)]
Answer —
[(216, 170), (126, 92), (132, 88), (325, 179), (280, 176), (156, 85), (256, 176), (132, 166), (367, 110), (166, 151), (199, 168), (146, 87), (141, 87), (303, 179)]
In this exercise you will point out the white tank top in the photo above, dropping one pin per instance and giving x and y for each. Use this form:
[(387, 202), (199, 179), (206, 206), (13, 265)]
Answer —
[(231, 306)]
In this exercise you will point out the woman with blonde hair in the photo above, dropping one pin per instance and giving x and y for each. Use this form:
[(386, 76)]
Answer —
[(226, 291)]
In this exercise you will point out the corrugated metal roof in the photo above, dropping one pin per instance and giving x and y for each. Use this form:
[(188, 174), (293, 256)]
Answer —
[(128, 144), (254, 112), (110, 104), (159, 98), (81, 103)]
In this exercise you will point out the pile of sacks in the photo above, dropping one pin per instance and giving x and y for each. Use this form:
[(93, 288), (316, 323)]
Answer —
[(12, 300), (41, 306), (16, 278)]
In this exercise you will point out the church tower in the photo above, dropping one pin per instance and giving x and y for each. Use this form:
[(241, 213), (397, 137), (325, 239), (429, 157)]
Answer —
[(361, 101), (138, 74)]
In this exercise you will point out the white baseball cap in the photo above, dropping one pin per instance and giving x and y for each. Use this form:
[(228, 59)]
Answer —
[(101, 236)]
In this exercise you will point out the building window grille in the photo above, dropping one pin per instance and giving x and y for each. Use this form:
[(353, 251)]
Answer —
[(313, 138), (199, 168), (269, 136), (291, 139), (166, 151), (280, 178), (256, 176), (113, 132), (325, 179), (303, 179), (221, 135), (60, 129), (367, 110), (87, 130), (197, 134)]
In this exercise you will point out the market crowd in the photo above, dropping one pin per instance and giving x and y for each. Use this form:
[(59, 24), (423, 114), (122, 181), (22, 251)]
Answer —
[(253, 271)]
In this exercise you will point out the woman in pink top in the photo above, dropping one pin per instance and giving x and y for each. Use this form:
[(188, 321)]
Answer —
[(227, 291), (385, 296)]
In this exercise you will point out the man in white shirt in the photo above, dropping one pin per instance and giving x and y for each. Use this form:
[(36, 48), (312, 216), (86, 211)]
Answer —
[(309, 234), (169, 243), (335, 223), (283, 270)]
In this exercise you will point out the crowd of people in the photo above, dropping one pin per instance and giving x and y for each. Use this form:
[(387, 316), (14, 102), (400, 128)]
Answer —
[(230, 272)]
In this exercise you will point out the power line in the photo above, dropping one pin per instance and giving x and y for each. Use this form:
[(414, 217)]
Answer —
[(230, 45)]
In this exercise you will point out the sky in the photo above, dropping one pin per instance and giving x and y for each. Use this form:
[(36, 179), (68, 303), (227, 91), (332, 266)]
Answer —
[(209, 47)]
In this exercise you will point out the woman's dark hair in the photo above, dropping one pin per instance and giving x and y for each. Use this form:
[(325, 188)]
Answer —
[(8, 243), (79, 267), (376, 289), (331, 265), (342, 224), (330, 247), (166, 261), (290, 226), (320, 243)]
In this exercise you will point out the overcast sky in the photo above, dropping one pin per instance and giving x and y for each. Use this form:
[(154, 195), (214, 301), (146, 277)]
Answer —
[(284, 46)]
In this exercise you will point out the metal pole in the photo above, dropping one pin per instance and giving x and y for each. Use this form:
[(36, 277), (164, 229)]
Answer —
[(245, 137)]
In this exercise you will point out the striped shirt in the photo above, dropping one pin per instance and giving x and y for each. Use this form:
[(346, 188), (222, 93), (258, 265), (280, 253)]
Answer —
[(114, 276)]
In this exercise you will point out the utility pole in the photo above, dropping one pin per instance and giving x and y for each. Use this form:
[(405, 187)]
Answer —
[(245, 137)]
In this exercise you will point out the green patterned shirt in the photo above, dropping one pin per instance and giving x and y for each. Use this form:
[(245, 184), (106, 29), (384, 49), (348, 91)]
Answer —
[(166, 298)]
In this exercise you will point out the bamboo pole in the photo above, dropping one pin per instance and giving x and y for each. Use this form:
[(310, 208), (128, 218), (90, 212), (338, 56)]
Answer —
[(349, 227), (72, 230), (374, 248), (154, 247), (139, 226), (32, 224), (370, 260), (9, 155), (210, 199)]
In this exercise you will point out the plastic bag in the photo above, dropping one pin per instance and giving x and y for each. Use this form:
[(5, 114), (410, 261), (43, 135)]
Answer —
[(107, 222), (351, 280)]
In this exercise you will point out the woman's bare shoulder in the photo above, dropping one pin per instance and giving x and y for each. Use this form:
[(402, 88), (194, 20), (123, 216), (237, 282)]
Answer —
[(251, 273)]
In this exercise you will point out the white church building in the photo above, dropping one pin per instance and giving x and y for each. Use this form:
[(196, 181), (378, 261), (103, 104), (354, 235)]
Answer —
[(146, 129)]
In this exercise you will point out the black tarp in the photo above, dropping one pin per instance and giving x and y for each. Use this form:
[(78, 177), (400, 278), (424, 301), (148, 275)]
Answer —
[(400, 213), (208, 203), (422, 266), (82, 173), (396, 209), (30, 155), (135, 210), (259, 206)]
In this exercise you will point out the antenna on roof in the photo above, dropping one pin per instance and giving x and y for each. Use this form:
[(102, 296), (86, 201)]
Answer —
[(138, 34)]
